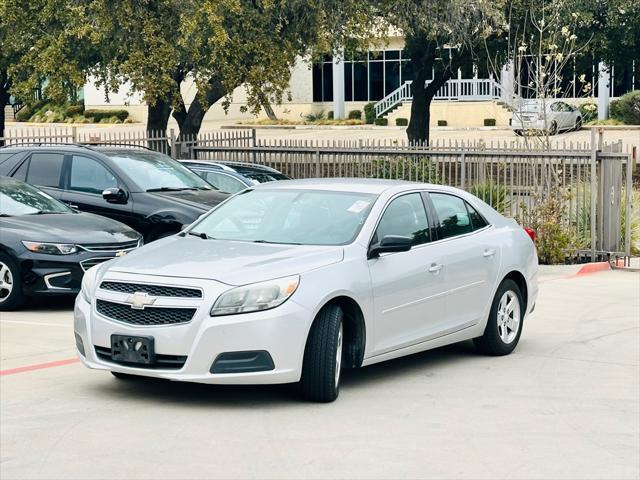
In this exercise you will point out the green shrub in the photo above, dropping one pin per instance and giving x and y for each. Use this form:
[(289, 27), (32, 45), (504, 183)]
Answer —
[(381, 122), (589, 111), (494, 194), (73, 110), (314, 116), (355, 115), (635, 220), (99, 115), (489, 122), (442, 123), (28, 111), (415, 169), (330, 115), (370, 113), (554, 241), (402, 122), (627, 108)]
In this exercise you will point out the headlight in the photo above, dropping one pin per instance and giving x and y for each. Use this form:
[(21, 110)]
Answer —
[(255, 297), (89, 283), (50, 248)]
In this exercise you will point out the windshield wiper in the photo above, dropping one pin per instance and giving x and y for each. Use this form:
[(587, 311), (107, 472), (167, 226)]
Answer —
[(201, 235), (276, 243), (44, 212), (170, 189)]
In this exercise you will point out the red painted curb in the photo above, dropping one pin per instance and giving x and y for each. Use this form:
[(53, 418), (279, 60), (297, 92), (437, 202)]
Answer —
[(593, 268), (39, 366)]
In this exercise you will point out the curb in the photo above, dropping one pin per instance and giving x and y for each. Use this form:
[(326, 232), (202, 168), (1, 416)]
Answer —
[(593, 268)]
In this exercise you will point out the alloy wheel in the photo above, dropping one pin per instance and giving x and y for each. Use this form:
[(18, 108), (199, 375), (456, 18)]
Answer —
[(6, 282), (508, 316)]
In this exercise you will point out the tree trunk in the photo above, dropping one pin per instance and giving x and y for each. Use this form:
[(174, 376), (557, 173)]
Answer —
[(269, 110), (157, 119), (4, 98), (418, 128), (190, 120)]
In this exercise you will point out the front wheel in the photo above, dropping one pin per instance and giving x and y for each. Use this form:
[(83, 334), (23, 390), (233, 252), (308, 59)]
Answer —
[(11, 296), (323, 357), (578, 123), (504, 325)]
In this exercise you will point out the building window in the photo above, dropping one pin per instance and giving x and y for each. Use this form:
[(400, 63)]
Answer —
[(322, 75)]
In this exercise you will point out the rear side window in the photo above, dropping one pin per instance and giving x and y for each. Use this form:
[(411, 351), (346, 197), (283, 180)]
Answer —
[(21, 172), (223, 182), (5, 156), (453, 217), (477, 220), (45, 169)]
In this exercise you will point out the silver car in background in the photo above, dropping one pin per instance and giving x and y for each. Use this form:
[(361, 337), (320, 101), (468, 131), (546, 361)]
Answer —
[(294, 281), (545, 116)]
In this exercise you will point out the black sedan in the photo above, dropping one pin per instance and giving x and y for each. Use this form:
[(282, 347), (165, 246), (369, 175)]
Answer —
[(45, 246), (151, 192)]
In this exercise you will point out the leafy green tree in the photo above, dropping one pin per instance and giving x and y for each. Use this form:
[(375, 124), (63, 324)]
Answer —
[(430, 27)]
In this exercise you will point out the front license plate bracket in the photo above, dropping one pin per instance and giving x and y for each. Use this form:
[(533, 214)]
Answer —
[(132, 349)]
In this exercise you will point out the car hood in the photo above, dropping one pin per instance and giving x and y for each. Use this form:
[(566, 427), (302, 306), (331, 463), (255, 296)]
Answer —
[(76, 228), (202, 199), (233, 263)]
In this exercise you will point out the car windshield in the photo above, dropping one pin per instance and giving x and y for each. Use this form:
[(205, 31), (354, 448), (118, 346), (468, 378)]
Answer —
[(299, 217), (18, 198), (154, 171)]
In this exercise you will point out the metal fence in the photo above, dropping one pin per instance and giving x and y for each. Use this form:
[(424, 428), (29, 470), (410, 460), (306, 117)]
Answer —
[(594, 179)]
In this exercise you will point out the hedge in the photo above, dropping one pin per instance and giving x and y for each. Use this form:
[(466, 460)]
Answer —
[(382, 122), (489, 122), (355, 115), (370, 112), (627, 108), (99, 115), (442, 123), (402, 122)]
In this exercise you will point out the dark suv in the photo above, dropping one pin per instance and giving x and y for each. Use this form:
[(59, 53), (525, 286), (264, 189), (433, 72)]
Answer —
[(146, 190)]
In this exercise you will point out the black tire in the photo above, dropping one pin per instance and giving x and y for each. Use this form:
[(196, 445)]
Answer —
[(124, 376), (554, 128), (15, 299), (319, 382), (519, 133), (491, 343)]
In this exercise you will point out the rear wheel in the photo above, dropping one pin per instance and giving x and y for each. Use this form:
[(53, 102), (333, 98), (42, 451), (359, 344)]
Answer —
[(11, 295), (578, 123), (504, 325), (518, 133), (553, 128), (322, 363)]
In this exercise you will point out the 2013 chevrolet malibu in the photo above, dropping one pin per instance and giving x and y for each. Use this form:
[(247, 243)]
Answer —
[(293, 281)]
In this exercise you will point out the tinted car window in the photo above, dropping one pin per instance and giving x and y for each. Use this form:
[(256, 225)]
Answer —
[(223, 182), (21, 172), (5, 156), (405, 216), (88, 175), (45, 169), (477, 220), (453, 218)]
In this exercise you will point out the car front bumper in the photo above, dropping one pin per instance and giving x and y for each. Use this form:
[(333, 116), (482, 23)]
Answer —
[(281, 332)]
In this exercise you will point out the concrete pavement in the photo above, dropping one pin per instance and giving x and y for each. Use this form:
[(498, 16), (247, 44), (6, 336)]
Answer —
[(566, 404)]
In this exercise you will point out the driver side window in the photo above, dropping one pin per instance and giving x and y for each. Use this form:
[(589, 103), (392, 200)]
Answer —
[(405, 216)]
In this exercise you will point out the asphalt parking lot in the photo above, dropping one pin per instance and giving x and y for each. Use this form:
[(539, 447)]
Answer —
[(566, 404)]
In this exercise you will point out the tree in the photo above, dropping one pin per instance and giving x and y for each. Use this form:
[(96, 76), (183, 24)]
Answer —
[(440, 36), (42, 39), (219, 44)]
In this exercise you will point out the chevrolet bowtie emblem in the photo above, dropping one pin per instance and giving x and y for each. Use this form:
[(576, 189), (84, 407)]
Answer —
[(139, 300), (120, 253)]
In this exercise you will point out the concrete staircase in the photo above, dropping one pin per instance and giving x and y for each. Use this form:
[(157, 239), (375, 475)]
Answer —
[(8, 114)]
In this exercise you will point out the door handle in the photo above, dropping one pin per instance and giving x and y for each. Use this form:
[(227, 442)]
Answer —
[(72, 205), (435, 267), (490, 252)]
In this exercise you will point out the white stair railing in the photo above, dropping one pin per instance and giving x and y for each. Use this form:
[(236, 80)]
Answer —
[(471, 89)]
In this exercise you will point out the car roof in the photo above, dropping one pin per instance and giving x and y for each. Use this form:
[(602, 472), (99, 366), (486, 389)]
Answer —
[(356, 185), (239, 167)]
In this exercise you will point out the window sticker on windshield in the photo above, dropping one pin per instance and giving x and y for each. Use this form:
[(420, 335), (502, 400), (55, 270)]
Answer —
[(358, 206)]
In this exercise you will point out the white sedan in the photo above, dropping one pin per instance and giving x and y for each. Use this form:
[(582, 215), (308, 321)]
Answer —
[(547, 116), (295, 281)]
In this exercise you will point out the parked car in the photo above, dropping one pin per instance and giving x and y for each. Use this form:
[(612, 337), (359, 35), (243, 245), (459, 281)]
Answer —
[(233, 177), (45, 246), (292, 281), (151, 192), (551, 116)]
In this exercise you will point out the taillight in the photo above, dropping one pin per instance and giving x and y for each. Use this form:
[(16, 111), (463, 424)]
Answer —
[(531, 232)]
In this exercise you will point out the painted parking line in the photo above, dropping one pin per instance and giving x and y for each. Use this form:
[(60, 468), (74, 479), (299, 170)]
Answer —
[(38, 366)]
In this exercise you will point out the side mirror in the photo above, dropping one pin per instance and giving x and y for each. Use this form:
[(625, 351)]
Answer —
[(114, 195), (390, 243)]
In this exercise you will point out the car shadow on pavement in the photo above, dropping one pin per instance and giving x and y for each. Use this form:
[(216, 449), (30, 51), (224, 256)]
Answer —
[(53, 303), (196, 395)]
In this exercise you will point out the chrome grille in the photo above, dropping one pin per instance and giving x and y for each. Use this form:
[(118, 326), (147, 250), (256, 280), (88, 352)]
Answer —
[(146, 317), (87, 264), (155, 290), (109, 247)]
